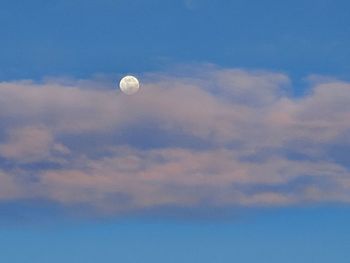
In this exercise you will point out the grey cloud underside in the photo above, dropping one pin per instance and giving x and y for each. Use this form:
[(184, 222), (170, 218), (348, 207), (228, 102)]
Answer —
[(218, 138)]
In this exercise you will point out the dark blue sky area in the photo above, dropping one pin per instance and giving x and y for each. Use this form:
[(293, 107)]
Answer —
[(81, 38)]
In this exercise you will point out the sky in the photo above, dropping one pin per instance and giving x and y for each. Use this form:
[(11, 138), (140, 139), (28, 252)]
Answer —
[(236, 147)]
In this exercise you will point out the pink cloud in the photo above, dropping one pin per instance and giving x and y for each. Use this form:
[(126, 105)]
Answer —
[(250, 129), (9, 188), (30, 143)]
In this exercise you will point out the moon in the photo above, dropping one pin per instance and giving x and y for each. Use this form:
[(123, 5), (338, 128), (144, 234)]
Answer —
[(129, 85)]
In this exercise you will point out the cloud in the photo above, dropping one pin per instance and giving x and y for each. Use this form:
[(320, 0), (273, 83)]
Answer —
[(212, 138), (28, 144), (190, 4), (9, 188)]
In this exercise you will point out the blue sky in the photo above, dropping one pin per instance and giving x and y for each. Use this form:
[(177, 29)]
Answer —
[(236, 148), (302, 235), (81, 38)]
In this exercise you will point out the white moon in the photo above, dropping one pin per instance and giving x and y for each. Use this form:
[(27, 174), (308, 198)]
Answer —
[(129, 85)]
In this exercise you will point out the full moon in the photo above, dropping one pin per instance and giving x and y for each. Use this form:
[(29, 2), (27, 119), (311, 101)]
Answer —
[(129, 85)]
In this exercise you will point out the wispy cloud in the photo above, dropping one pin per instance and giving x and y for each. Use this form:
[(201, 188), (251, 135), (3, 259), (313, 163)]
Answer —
[(215, 138)]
